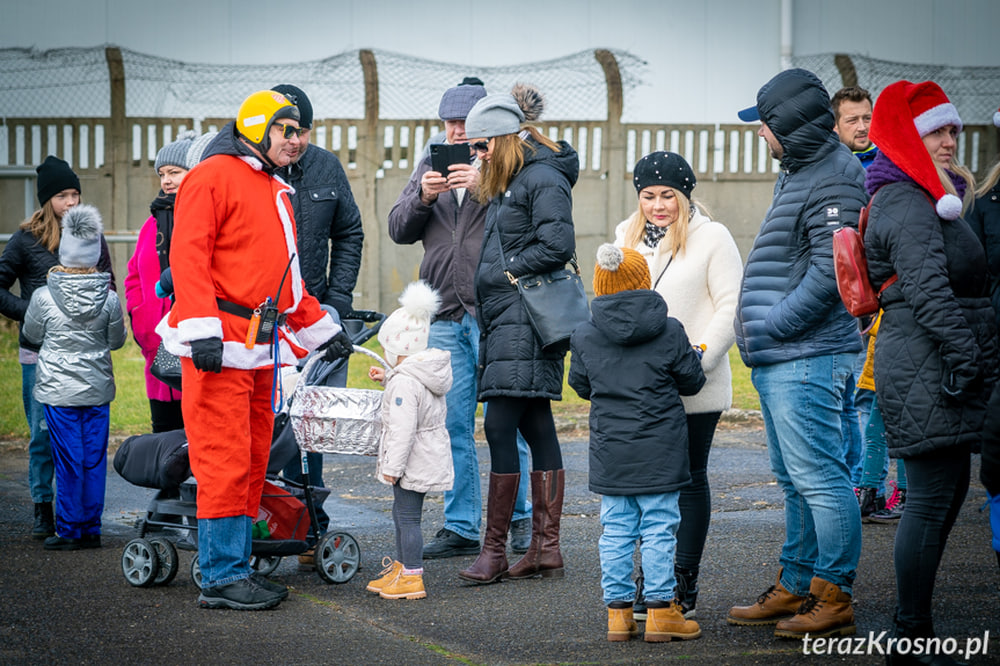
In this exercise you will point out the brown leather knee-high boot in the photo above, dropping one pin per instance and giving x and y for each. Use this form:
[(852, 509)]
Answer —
[(491, 565), (543, 557)]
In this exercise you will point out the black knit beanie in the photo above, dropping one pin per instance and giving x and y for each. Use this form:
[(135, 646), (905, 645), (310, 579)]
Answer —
[(54, 176), (663, 168), (298, 97)]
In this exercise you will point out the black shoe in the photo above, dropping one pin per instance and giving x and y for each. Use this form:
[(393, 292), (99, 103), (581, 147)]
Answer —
[(448, 544), (520, 535), (61, 543), (44, 526), (639, 605), (270, 585), (243, 594), (90, 541), (686, 590)]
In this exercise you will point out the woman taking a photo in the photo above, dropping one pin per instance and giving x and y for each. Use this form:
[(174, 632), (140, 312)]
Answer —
[(936, 351), (695, 266), (526, 181)]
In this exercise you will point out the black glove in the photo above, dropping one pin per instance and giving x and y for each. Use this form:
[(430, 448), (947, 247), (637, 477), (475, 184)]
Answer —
[(338, 347), (165, 285), (342, 304), (207, 354)]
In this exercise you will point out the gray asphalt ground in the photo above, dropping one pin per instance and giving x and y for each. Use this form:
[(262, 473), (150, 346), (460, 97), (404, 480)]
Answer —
[(77, 607)]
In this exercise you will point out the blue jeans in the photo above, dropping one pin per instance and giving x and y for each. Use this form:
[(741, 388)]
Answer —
[(463, 503), (40, 467), (854, 445), (650, 519), (224, 550), (876, 464), (802, 404)]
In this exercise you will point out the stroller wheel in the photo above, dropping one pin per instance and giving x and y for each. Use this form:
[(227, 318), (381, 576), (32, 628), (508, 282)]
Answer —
[(338, 557), (196, 571), (265, 566), (140, 563), (167, 554)]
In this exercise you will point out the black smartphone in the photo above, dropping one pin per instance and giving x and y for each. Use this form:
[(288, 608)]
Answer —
[(444, 155)]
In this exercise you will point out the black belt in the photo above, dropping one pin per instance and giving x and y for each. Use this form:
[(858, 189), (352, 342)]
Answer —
[(241, 311)]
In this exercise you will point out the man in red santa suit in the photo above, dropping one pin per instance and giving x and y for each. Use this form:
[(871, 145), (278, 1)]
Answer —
[(232, 257)]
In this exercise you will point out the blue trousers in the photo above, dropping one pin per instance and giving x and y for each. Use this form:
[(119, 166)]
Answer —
[(40, 466), (80, 453)]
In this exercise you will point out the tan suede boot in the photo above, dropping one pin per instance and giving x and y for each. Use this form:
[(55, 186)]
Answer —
[(774, 605), (825, 612), (621, 625), (389, 573), (404, 586), (666, 624)]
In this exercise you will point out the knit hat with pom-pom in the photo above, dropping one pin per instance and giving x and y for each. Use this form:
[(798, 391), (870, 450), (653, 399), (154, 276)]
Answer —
[(80, 243), (904, 113), (406, 330), (500, 113), (619, 269)]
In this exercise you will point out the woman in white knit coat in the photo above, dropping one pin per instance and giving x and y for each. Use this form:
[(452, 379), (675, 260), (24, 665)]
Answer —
[(695, 265)]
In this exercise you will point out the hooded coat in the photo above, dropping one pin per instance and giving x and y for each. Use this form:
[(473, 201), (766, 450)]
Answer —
[(533, 222), (789, 306), (415, 446), (76, 320), (936, 350), (634, 363)]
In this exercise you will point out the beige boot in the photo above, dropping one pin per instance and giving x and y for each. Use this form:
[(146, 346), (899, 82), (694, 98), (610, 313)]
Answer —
[(825, 612), (404, 586), (621, 625), (774, 605), (389, 573), (666, 624)]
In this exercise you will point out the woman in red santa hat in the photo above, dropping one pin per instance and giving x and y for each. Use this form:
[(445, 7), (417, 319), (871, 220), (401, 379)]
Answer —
[(936, 352)]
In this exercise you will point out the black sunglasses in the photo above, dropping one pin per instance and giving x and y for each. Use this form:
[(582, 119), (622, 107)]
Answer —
[(480, 146), (288, 131)]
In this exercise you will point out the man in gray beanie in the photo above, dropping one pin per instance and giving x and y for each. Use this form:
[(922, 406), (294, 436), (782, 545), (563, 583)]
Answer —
[(439, 211), (329, 238)]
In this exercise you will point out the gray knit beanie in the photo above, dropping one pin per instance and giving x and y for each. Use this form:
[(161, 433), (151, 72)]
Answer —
[(197, 148), (80, 242), (494, 115), (175, 154)]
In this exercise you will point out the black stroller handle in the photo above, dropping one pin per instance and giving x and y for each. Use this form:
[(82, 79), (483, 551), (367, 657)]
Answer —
[(355, 323)]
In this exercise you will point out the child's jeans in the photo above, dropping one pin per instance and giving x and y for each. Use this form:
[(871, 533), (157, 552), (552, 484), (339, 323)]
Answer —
[(80, 453), (407, 506), (652, 520)]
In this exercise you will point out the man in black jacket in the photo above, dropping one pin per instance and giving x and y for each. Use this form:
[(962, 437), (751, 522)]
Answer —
[(329, 239)]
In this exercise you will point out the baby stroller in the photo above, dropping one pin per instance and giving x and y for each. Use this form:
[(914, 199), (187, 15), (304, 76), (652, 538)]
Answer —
[(287, 518)]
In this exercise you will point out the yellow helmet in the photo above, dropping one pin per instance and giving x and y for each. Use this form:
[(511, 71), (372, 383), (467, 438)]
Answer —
[(259, 110)]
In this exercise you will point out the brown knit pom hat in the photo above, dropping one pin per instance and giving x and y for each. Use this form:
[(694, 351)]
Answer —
[(619, 269)]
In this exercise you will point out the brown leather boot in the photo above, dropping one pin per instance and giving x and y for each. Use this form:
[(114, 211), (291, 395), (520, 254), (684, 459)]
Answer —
[(491, 565), (621, 624), (666, 624), (825, 612), (774, 605), (543, 557)]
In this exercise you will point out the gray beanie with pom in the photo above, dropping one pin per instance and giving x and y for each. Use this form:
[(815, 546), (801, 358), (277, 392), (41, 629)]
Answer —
[(80, 243)]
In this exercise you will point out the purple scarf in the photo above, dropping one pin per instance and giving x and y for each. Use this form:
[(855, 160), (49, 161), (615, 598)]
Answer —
[(884, 171)]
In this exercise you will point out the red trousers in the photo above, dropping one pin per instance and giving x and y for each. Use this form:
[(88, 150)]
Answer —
[(229, 424)]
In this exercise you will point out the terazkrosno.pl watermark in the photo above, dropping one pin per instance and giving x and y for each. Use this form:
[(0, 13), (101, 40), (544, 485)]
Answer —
[(882, 643)]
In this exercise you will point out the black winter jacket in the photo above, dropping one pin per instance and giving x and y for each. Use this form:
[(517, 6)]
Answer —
[(533, 221), (27, 262), (328, 227), (984, 218), (936, 350), (633, 363), (452, 236), (789, 307)]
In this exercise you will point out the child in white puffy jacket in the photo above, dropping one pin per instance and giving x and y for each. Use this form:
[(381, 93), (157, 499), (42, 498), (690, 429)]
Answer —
[(414, 455)]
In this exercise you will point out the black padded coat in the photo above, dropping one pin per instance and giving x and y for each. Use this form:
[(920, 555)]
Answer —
[(936, 350), (534, 223)]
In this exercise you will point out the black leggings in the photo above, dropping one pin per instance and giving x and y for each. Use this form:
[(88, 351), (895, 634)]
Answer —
[(165, 415), (407, 506), (696, 498), (533, 417), (936, 485)]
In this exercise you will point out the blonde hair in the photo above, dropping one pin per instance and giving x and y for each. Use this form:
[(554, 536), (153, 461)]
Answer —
[(44, 225), (949, 186), (991, 179), (506, 160), (72, 270), (675, 240)]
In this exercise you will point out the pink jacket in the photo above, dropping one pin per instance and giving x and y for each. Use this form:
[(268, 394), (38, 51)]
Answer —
[(145, 308)]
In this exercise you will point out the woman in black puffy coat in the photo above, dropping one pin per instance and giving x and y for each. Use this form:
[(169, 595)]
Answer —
[(527, 181), (936, 352)]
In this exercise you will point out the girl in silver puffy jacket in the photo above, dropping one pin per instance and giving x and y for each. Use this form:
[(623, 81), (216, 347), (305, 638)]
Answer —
[(77, 320)]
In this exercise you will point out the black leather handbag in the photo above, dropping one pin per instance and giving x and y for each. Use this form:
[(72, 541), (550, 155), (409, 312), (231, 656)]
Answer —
[(167, 368), (555, 302)]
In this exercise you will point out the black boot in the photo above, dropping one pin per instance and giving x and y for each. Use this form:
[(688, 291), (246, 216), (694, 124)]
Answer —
[(867, 502), (894, 658), (687, 589), (44, 522)]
